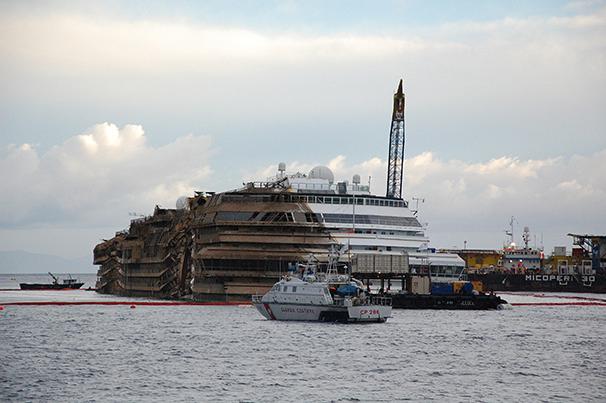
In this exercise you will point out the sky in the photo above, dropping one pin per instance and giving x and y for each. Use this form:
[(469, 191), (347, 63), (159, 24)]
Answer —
[(109, 108)]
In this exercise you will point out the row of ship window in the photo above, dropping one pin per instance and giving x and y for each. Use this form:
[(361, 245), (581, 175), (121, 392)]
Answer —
[(288, 198), (525, 252), (293, 288), (372, 219), (358, 201), (278, 265), (285, 288), (316, 217)]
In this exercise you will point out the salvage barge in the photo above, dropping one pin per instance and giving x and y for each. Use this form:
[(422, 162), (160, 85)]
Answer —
[(527, 269), (450, 302), (67, 284)]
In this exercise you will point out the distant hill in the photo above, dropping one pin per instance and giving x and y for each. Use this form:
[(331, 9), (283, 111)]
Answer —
[(27, 262)]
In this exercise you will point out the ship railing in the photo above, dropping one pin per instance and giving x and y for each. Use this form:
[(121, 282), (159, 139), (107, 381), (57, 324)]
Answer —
[(385, 301), (339, 301)]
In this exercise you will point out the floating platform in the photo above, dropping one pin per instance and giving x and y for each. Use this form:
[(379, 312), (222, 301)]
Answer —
[(462, 302)]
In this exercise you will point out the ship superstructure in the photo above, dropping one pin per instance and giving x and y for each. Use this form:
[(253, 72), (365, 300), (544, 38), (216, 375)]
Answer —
[(521, 259), (583, 270), (376, 230), (244, 240)]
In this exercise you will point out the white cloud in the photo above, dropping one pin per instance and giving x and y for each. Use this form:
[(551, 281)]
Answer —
[(96, 44), (98, 177), (533, 86), (584, 5), (475, 199), (109, 45), (533, 81)]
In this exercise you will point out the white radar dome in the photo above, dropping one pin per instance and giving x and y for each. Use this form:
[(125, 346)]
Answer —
[(182, 203), (322, 172)]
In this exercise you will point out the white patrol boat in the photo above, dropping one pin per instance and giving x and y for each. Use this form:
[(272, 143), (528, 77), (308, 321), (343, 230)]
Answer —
[(327, 297)]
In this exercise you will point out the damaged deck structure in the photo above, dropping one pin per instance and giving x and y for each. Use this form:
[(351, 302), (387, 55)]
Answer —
[(151, 258), (244, 241), (222, 247)]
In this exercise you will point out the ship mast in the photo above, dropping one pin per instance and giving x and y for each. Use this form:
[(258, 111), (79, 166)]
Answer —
[(510, 232), (395, 162), (526, 237), (511, 224)]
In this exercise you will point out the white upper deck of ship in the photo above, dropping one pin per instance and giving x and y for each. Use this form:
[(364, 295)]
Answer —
[(366, 223)]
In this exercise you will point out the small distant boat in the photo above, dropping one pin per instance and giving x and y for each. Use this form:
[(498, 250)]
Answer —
[(67, 284)]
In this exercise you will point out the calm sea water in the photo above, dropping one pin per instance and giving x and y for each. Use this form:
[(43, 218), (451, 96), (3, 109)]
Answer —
[(197, 353)]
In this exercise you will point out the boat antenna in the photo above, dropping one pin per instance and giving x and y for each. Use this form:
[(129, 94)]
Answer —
[(417, 200), (353, 215), (510, 232), (542, 248), (333, 258), (349, 255)]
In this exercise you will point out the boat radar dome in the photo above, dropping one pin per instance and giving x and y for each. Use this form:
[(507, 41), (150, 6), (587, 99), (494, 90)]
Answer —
[(356, 179), (322, 172), (182, 203), (282, 167)]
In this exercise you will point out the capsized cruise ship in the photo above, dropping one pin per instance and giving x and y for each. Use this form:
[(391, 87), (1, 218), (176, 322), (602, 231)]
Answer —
[(231, 245)]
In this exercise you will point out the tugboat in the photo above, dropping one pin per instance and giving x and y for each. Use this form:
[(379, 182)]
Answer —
[(67, 284), (325, 297)]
